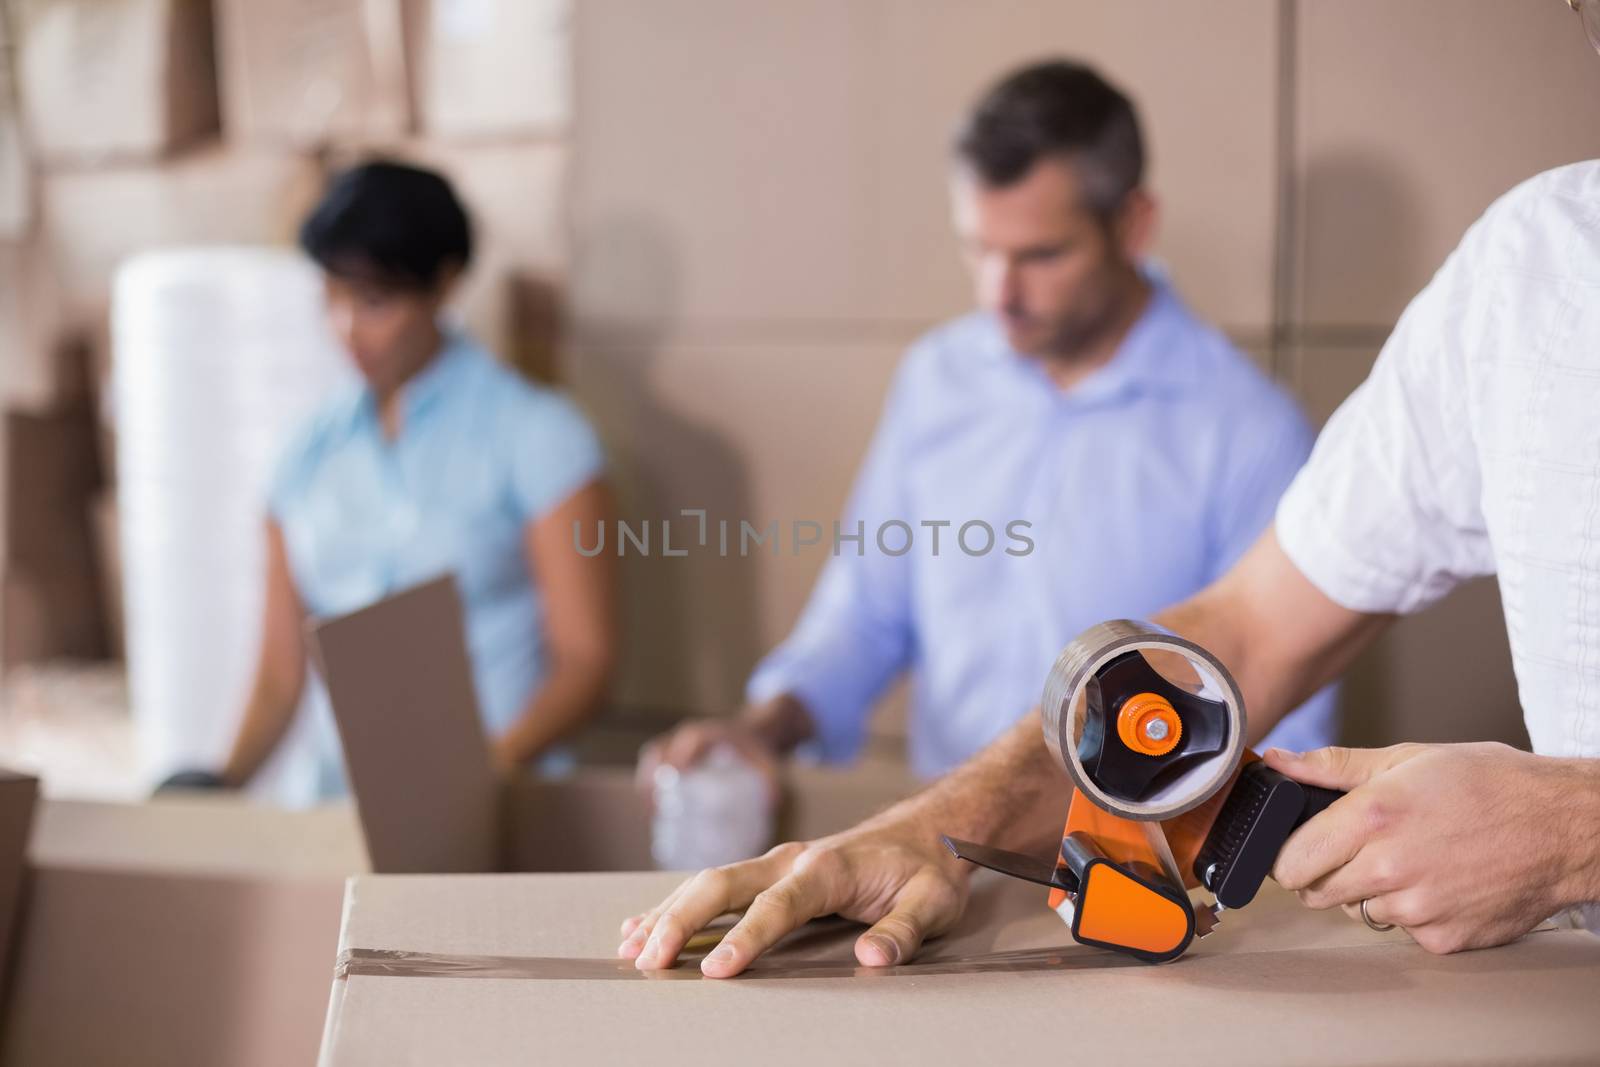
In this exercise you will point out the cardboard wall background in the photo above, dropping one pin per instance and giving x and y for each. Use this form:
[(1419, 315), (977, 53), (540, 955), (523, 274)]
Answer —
[(737, 214), (759, 228)]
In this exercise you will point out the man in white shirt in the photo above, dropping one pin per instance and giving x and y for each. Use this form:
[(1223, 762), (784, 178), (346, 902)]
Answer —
[(1473, 448)]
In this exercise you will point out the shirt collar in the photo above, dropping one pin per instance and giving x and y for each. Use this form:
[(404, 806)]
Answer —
[(1153, 357), (433, 380)]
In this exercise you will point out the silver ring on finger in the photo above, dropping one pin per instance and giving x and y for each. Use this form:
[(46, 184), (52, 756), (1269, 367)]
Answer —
[(1366, 918)]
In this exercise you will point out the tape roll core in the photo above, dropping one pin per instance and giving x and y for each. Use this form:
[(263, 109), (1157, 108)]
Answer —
[(1066, 705)]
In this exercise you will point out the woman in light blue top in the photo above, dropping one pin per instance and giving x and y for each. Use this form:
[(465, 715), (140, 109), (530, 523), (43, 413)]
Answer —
[(443, 460)]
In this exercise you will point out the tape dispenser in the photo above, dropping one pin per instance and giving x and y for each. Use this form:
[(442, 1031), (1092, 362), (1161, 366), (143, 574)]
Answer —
[(1166, 796)]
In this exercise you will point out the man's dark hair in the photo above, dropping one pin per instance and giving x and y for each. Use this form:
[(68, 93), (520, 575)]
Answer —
[(389, 222), (1056, 110)]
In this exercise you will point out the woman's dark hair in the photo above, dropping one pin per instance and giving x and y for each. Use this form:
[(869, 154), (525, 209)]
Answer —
[(1060, 110), (390, 222)]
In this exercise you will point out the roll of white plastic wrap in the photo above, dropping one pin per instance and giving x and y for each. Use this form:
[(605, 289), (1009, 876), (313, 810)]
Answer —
[(219, 353)]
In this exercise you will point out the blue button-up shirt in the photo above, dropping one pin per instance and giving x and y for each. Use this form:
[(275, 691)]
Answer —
[(1140, 485), (480, 453)]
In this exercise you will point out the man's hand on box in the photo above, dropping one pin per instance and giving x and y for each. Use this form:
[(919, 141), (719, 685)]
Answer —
[(889, 872), (1464, 846)]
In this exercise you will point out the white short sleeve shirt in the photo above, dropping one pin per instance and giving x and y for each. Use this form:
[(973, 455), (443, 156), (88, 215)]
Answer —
[(1474, 448)]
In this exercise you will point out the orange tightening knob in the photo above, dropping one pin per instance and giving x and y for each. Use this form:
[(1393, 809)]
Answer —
[(1148, 724)]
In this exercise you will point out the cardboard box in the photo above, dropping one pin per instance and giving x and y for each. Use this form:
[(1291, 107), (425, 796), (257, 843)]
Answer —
[(106, 527), (312, 72), (201, 930), (44, 365), (16, 177), (428, 797), (1276, 984), (50, 604), (490, 68), (18, 795), (93, 220), (108, 79), (189, 932)]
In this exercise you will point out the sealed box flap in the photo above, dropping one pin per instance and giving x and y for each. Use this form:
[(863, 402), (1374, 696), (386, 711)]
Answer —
[(203, 835), (534, 965), (401, 688)]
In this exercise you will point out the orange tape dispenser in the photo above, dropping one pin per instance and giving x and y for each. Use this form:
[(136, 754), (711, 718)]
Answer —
[(1166, 797)]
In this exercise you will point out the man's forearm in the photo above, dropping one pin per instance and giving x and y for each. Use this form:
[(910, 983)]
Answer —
[(1011, 795), (781, 723), (1278, 635)]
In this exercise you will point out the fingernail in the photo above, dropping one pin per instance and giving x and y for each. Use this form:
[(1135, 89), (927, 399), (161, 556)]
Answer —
[(723, 953), (886, 948), (652, 948), (1283, 754)]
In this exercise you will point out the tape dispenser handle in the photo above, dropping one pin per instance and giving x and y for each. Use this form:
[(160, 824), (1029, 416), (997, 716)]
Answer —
[(1317, 801)]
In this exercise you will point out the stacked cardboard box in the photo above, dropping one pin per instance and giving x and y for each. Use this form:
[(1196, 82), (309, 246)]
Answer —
[(115, 79), (184, 932), (50, 592), (490, 68)]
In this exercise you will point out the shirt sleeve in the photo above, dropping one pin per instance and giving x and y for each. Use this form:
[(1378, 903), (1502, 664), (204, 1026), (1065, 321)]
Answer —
[(1263, 457), (292, 469), (1385, 517), (855, 634), (555, 452)]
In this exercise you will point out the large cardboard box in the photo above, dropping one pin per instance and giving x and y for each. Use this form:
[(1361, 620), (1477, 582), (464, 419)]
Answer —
[(428, 797), (490, 68), (190, 932), (312, 72), (105, 79), (501, 970)]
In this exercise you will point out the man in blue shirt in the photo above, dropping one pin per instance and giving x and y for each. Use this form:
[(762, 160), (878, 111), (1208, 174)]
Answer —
[(1122, 453)]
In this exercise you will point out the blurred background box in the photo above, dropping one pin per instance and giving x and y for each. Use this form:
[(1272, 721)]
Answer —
[(185, 933), (50, 602), (312, 72), (45, 365), (490, 68), (93, 220), (105, 79), (16, 181)]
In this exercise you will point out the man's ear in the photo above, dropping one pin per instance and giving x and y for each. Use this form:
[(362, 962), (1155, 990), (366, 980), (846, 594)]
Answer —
[(1135, 225)]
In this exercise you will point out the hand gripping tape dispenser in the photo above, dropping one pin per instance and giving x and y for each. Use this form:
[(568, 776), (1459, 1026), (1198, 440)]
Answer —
[(1166, 797)]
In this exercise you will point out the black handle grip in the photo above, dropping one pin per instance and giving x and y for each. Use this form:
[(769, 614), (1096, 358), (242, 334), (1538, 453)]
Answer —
[(1317, 800)]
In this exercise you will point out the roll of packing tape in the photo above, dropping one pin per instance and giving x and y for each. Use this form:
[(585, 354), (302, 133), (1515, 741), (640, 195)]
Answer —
[(1094, 680)]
